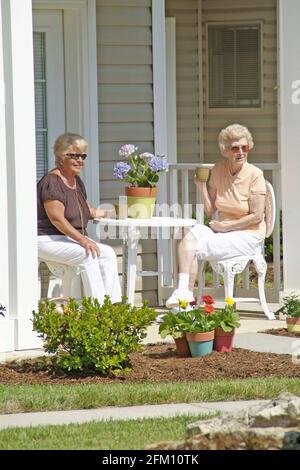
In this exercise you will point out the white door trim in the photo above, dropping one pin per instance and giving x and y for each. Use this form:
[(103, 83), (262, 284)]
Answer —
[(51, 23), (81, 76)]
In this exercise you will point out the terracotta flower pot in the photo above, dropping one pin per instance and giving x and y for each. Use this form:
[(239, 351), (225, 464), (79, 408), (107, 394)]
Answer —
[(182, 346), (200, 344), (223, 341), (140, 202), (293, 325)]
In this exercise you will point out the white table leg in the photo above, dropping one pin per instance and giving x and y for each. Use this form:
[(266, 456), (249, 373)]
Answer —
[(132, 245)]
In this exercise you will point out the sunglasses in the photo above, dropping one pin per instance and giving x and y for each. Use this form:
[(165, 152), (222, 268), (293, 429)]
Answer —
[(236, 148), (76, 156)]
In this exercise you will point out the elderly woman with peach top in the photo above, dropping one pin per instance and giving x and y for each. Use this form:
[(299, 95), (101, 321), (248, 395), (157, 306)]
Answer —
[(236, 191), (63, 214)]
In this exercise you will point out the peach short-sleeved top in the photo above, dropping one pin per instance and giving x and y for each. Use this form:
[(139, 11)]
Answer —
[(233, 192)]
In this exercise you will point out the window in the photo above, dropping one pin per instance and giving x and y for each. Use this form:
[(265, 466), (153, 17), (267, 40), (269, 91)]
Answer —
[(41, 131), (234, 66)]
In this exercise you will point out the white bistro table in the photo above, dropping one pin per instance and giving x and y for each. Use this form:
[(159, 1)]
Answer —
[(130, 231)]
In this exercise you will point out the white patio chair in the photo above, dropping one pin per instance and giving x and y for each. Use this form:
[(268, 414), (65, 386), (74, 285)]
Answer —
[(230, 267), (70, 278)]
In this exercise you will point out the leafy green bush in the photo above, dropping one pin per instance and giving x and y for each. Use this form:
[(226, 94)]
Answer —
[(90, 336), (291, 306)]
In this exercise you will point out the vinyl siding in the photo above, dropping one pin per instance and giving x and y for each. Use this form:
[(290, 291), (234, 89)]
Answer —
[(187, 83), (261, 122), (125, 106)]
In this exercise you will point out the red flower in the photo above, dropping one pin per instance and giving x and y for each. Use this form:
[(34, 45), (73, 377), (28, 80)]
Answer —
[(208, 308), (194, 302), (207, 299)]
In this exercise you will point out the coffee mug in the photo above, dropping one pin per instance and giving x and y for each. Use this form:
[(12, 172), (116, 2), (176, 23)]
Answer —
[(202, 174)]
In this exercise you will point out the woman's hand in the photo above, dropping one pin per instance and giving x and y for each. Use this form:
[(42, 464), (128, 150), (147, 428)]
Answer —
[(199, 184), (90, 247), (217, 226)]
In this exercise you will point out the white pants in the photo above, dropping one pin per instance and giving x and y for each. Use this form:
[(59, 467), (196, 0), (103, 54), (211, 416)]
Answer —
[(220, 246), (99, 275)]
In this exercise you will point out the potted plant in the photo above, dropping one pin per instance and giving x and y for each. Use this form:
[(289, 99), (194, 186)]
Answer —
[(142, 172), (291, 308), (171, 325), (226, 321), (2, 310), (198, 325)]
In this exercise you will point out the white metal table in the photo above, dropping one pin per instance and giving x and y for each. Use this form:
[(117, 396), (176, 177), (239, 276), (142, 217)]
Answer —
[(130, 232)]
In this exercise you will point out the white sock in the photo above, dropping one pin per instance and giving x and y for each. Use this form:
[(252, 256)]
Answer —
[(183, 281)]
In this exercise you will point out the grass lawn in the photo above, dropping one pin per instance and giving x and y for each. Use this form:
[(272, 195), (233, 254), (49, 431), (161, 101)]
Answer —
[(26, 398), (111, 435)]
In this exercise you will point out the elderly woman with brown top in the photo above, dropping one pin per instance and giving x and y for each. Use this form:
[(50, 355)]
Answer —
[(63, 214), (236, 191)]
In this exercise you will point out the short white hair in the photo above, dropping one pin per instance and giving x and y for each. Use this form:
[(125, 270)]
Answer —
[(232, 133)]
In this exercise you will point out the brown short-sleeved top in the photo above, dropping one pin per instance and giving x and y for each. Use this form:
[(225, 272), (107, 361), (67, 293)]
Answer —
[(50, 188), (233, 192)]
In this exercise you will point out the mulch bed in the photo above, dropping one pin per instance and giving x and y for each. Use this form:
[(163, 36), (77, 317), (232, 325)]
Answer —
[(281, 332), (160, 363)]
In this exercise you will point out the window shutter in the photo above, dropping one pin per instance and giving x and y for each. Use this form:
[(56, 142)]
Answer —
[(234, 66), (41, 131)]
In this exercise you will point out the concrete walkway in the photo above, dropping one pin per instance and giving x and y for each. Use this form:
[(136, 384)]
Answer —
[(121, 413)]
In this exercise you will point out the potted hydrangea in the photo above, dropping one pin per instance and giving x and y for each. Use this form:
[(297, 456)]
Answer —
[(142, 172), (291, 308)]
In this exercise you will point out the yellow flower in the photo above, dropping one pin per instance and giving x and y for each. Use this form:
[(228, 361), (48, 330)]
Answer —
[(182, 303), (229, 301)]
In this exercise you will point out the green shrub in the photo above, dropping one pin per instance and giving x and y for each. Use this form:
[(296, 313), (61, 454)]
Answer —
[(89, 336)]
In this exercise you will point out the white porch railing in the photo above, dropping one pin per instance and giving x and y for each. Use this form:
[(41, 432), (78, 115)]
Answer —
[(182, 190)]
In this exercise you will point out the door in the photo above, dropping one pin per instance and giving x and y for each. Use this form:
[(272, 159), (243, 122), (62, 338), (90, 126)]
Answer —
[(48, 45)]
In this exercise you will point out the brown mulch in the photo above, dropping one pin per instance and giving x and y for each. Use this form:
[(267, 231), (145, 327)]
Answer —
[(160, 363), (280, 332)]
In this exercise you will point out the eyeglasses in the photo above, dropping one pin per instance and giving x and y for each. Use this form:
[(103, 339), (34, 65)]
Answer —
[(76, 156), (236, 148)]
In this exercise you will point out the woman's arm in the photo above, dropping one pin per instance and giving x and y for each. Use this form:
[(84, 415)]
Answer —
[(55, 211), (256, 208), (99, 213), (208, 197)]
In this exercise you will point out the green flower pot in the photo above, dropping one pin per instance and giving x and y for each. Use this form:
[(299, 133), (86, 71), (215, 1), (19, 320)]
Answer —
[(200, 344), (141, 202)]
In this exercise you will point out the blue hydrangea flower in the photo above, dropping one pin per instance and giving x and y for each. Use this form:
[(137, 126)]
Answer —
[(127, 150), (158, 164), (121, 169), (147, 156)]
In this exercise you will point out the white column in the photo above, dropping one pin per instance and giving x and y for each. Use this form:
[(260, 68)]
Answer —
[(289, 137), (21, 171), (160, 125), (6, 325)]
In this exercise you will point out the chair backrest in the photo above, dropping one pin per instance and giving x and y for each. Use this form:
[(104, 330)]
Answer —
[(270, 209)]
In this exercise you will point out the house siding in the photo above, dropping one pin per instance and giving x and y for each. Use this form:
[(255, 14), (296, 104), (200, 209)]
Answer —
[(191, 91), (187, 83), (125, 106), (261, 122)]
